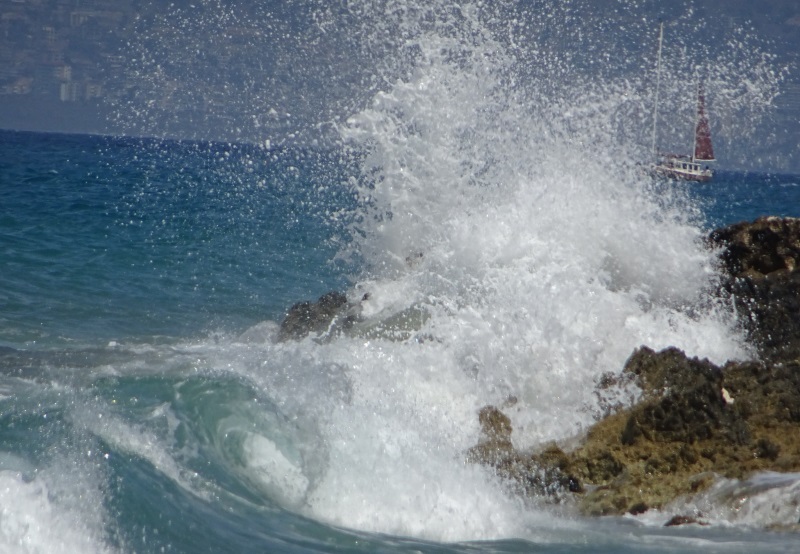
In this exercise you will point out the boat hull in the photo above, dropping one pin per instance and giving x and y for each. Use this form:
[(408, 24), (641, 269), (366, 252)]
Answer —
[(693, 173)]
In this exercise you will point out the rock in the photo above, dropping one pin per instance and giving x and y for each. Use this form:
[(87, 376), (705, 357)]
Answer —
[(543, 475), (683, 520), (638, 508), (333, 314), (761, 264), (684, 430), (694, 421), (759, 248), (495, 425), (494, 447), (398, 326), (312, 317), (675, 441), (683, 402)]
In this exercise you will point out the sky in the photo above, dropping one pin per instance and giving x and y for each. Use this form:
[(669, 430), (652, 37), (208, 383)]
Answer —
[(278, 70)]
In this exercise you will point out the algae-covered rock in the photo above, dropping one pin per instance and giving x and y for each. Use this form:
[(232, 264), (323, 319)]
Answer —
[(683, 520), (494, 447), (695, 421), (541, 474), (685, 400)]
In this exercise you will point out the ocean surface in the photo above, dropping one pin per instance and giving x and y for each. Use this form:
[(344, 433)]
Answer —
[(147, 406)]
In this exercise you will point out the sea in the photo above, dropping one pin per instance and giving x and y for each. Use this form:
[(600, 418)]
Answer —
[(470, 184), (147, 405)]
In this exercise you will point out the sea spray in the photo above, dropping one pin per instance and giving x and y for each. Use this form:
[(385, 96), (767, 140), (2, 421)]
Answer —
[(545, 256), (542, 256), (513, 213), (37, 519), (52, 491), (499, 194), (290, 72)]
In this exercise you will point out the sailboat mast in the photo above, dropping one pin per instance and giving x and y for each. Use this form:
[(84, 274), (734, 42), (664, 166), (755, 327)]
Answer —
[(698, 116), (658, 86)]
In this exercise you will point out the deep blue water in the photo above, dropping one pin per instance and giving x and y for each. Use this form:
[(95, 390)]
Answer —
[(741, 196), (136, 277), (111, 238)]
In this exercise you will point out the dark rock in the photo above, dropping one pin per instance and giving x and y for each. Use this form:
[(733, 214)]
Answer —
[(333, 315), (683, 520), (543, 475), (694, 422), (683, 400), (638, 508), (765, 448), (761, 263), (494, 447), (761, 247), (769, 308), (312, 317), (549, 472)]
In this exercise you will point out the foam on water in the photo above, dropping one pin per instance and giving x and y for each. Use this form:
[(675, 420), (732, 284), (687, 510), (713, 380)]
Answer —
[(509, 237), (764, 500), (63, 516), (509, 213), (512, 215)]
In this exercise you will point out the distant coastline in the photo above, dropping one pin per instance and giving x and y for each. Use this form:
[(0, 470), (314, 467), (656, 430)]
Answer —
[(41, 114)]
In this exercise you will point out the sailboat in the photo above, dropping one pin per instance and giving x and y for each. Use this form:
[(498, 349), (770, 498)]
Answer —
[(684, 167)]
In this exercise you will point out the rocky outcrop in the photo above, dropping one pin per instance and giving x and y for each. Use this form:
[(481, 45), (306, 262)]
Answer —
[(695, 421), (545, 474), (759, 248), (333, 315), (761, 268), (313, 317)]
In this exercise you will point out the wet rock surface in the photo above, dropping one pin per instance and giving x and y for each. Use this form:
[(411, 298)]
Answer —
[(761, 268), (695, 421), (333, 315), (304, 318)]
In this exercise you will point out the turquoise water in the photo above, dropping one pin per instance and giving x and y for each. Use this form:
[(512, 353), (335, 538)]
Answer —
[(477, 199), (145, 405)]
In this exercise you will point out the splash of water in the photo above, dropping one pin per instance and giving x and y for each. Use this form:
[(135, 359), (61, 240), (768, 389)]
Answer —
[(511, 211), (500, 195), (520, 206), (37, 519)]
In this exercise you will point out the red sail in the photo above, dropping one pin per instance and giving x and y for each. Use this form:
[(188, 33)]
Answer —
[(703, 149)]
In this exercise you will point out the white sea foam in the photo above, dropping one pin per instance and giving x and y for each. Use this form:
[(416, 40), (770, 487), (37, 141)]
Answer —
[(545, 258), (510, 214), (37, 517), (765, 499), (280, 477), (500, 194)]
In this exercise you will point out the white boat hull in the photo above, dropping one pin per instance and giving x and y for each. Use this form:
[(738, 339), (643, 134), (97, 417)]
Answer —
[(684, 171)]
